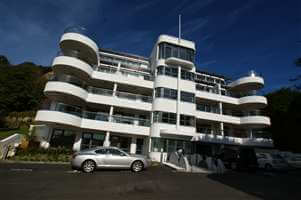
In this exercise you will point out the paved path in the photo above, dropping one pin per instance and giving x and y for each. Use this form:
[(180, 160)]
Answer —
[(42, 181)]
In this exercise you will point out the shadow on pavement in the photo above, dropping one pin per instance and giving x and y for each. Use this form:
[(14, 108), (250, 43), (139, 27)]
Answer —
[(264, 185)]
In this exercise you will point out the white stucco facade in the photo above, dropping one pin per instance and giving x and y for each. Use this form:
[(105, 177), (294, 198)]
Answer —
[(146, 105)]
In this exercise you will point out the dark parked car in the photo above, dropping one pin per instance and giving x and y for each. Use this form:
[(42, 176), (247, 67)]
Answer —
[(242, 158)]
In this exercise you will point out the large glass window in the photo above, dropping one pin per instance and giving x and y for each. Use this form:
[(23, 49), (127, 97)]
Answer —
[(165, 117), (90, 140), (166, 93), (170, 145), (187, 97), (62, 138), (208, 108), (168, 71), (186, 75), (168, 50), (186, 120)]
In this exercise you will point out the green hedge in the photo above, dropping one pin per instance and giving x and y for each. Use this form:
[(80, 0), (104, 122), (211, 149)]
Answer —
[(45, 155)]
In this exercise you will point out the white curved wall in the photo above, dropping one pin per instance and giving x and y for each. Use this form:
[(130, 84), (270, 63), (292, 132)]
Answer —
[(119, 78), (66, 61), (157, 128), (165, 105), (166, 82), (217, 117), (65, 88), (115, 127), (50, 116), (248, 83), (255, 121), (120, 102), (81, 38), (256, 101)]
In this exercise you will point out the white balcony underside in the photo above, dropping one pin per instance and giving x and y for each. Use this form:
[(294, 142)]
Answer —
[(55, 117), (233, 140)]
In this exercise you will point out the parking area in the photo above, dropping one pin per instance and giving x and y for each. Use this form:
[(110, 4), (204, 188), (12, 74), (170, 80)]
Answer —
[(44, 181)]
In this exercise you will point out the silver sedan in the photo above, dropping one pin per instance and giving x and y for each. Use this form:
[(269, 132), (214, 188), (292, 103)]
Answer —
[(108, 157)]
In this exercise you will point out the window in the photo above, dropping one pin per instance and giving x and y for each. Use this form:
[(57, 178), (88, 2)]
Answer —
[(166, 93), (186, 75), (62, 138), (115, 152), (165, 117), (168, 71), (187, 97), (90, 140), (101, 151), (186, 120), (168, 50)]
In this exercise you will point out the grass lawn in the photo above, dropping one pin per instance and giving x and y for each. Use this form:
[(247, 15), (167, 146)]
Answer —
[(5, 134)]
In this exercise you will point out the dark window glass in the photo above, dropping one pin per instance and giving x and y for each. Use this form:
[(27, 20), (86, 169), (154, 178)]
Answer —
[(101, 151), (186, 120), (165, 117), (186, 75), (166, 93), (114, 152), (187, 97), (167, 52), (160, 70), (62, 138)]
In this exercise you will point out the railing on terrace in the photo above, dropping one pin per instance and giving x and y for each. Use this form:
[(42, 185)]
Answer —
[(130, 96), (124, 72), (100, 116), (81, 30), (75, 54)]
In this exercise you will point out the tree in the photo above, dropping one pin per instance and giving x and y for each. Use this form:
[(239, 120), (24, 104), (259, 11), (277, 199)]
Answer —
[(283, 108), (21, 87), (3, 61)]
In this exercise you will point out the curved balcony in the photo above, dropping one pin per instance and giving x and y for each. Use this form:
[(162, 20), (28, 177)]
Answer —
[(72, 116), (179, 62), (59, 90), (57, 117), (253, 102), (78, 38), (72, 65), (255, 121), (247, 83)]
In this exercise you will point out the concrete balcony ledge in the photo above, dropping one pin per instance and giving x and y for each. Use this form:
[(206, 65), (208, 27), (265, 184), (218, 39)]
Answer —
[(178, 61), (201, 137)]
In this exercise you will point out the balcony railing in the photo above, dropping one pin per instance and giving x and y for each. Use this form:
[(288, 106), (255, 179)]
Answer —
[(81, 30), (100, 116)]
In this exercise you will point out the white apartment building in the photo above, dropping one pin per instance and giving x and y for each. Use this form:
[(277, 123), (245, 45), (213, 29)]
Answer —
[(144, 105)]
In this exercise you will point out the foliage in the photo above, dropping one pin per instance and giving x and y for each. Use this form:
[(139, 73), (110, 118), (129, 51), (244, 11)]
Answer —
[(21, 86), (7, 133), (45, 155), (283, 108)]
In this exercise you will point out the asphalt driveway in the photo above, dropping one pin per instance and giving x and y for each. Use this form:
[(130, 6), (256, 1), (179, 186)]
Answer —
[(44, 181)]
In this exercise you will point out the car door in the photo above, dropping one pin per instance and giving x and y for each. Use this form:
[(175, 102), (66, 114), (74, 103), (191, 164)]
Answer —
[(100, 158), (117, 159)]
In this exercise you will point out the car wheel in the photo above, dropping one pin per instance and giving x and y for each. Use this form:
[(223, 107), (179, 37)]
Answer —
[(137, 166), (268, 167), (233, 166), (88, 166)]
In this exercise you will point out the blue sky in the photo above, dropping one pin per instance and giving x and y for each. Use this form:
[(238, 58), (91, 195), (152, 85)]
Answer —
[(232, 37)]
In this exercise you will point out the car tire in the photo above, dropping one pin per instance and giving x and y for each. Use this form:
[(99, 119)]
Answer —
[(88, 166), (137, 166), (268, 167)]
